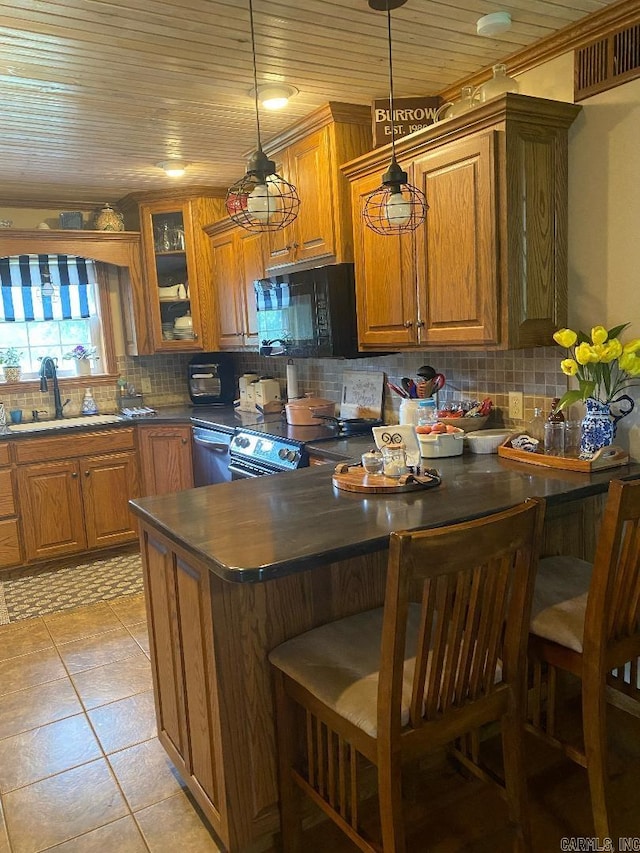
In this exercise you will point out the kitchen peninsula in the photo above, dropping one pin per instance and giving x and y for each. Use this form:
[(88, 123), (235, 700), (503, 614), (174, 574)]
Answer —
[(234, 569)]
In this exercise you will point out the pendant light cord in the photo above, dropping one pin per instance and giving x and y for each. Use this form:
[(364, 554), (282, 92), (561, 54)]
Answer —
[(255, 73), (393, 129)]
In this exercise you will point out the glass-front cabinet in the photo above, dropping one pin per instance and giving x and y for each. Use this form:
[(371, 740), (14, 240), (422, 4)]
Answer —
[(181, 304)]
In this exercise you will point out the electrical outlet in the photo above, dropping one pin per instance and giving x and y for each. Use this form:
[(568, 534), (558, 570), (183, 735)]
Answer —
[(516, 405), (146, 386)]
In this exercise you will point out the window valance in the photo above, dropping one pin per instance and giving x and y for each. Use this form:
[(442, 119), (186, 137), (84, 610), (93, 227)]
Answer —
[(45, 287)]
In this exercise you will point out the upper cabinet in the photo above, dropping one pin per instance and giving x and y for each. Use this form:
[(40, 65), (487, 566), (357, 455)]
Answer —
[(309, 155), (488, 268), (178, 271), (238, 260)]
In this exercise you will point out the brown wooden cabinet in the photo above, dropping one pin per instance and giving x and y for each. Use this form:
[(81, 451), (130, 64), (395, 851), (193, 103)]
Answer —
[(238, 260), (165, 458), (309, 155), (70, 502), (10, 546), (184, 674), (488, 268), (108, 483), (177, 261)]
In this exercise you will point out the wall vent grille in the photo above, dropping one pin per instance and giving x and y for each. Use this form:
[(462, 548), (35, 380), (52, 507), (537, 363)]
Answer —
[(607, 62)]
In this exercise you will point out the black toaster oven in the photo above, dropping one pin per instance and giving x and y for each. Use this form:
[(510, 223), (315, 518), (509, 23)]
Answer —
[(211, 379)]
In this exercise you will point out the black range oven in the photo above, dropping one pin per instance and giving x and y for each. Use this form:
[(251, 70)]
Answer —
[(273, 446), (254, 454)]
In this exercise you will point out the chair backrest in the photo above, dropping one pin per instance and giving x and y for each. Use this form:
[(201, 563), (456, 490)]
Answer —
[(613, 605), (475, 584)]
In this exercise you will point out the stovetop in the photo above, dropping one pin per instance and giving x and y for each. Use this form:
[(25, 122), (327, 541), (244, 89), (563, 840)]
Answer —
[(302, 434)]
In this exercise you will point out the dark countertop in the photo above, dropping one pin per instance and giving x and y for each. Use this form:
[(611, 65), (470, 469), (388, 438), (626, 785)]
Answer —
[(267, 527)]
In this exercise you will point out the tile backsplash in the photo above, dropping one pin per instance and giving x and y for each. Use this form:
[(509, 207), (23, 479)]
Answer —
[(470, 375)]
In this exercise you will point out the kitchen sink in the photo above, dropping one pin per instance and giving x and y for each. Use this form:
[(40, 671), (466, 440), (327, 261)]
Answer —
[(66, 423)]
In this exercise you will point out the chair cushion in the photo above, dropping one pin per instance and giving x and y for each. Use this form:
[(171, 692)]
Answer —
[(339, 664), (560, 600)]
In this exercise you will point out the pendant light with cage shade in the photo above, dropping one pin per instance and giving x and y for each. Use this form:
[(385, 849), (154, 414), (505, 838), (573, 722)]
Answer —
[(261, 200), (396, 206)]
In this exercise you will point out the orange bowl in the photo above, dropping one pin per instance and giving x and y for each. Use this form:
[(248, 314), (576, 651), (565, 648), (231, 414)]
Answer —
[(466, 424)]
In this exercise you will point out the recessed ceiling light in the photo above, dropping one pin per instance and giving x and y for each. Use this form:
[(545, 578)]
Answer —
[(173, 168), (493, 24), (274, 96)]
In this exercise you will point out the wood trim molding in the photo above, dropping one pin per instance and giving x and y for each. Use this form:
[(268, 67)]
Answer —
[(332, 112), (110, 247), (47, 204), (177, 193), (509, 107), (221, 226), (594, 26), (106, 320)]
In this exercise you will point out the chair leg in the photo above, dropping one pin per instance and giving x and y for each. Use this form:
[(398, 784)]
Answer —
[(390, 797), (594, 709), (515, 778), (290, 794)]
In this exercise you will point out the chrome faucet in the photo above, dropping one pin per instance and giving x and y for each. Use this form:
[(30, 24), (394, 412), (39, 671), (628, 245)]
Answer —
[(48, 371)]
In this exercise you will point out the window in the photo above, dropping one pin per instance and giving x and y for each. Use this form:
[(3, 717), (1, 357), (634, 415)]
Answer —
[(49, 304)]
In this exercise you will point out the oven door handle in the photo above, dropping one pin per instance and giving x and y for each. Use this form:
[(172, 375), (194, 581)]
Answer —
[(212, 445), (243, 472)]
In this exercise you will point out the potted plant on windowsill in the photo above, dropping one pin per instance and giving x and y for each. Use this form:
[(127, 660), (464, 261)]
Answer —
[(82, 356), (10, 361)]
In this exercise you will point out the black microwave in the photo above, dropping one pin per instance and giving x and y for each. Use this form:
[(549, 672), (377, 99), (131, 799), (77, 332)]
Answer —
[(309, 314)]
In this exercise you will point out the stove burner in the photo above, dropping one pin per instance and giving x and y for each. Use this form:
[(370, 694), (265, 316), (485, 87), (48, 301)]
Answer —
[(351, 426)]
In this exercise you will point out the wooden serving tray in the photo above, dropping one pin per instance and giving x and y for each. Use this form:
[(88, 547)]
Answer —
[(355, 479), (607, 457)]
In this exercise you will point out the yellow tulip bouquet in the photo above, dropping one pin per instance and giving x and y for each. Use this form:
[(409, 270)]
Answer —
[(602, 364)]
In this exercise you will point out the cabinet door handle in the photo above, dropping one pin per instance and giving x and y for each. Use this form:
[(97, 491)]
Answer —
[(296, 246), (183, 440), (87, 473), (195, 336), (420, 324), (74, 474), (408, 324)]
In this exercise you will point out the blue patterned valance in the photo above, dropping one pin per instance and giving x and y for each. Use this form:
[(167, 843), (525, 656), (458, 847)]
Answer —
[(45, 287)]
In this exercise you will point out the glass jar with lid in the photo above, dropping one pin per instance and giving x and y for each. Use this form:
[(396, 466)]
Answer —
[(499, 84), (394, 459)]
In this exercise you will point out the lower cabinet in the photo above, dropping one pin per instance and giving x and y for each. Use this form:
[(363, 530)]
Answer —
[(210, 640), (71, 503), (184, 674), (10, 547), (165, 458)]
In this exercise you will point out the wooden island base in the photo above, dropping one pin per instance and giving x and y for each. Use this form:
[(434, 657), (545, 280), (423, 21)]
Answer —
[(210, 639)]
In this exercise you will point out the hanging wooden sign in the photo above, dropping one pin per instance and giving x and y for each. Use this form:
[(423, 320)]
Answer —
[(410, 114)]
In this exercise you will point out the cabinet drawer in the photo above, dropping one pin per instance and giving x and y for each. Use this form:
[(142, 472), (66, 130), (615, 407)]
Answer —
[(4, 453), (10, 550), (7, 504), (70, 446)]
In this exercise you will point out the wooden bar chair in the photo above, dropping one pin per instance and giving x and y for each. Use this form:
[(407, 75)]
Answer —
[(586, 621), (382, 688)]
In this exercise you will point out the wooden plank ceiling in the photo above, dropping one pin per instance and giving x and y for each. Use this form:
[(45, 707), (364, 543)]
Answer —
[(95, 93)]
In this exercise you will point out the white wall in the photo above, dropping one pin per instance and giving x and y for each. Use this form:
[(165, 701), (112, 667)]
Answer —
[(604, 209)]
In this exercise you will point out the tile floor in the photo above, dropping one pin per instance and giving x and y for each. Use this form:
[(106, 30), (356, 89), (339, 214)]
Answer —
[(81, 769)]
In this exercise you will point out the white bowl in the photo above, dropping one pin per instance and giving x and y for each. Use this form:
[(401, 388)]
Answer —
[(441, 444), (185, 323), (486, 441)]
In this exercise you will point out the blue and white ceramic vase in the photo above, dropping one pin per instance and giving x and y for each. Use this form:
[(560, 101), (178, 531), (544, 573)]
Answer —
[(598, 428)]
